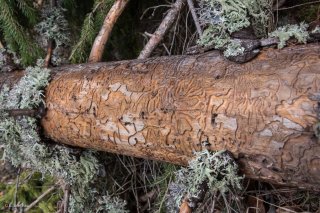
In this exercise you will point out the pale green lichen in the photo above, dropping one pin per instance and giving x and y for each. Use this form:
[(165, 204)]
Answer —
[(221, 18), (79, 169), (54, 26), (316, 30), (234, 48), (118, 205), (23, 147), (284, 33), (215, 169), (27, 93), (7, 57)]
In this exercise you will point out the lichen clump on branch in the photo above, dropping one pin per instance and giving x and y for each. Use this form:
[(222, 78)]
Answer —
[(286, 32), (221, 18), (208, 171)]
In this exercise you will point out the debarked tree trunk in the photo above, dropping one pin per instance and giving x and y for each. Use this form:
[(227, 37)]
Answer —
[(265, 111)]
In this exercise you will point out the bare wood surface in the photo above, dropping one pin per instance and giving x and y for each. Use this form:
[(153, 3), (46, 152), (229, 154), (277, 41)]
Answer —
[(105, 31), (165, 25), (167, 108), (264, 111)]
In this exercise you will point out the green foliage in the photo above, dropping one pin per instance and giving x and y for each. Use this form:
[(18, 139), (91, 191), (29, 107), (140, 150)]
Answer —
[(15, 35), (91, 26), (217, 170), (306, 12), (221, 18), (68, 3), (31, 186), (80, 50), (28, 10), (162, 182), (286, 32)]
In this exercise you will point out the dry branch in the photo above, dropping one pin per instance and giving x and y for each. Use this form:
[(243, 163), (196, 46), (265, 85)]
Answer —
[(195, 17), (50, 42), (47, 59), (43, 195), (105, 31), (165, 25)]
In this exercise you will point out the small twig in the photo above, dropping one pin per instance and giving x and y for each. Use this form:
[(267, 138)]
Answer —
[(165, 47), (48, 191), (278, 4), (38, 4), (213, 202), (285, 209), (66, 190), (149, 195), (298, 5), (49, 53), (50, 47), (148, 34), (17, 187), (105, 31), (26, 112), (154, 9), (75, 49), (1, 45), (195, 17), (164, 196), (174, 33), (162, 29), (21, 112), (268, 42)]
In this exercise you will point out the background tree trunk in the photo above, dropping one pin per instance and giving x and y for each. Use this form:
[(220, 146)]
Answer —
[(264, 111)]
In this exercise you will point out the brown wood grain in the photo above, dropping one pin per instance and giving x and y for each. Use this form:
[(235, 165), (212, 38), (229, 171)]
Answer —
[(264, 111), (167, 108)]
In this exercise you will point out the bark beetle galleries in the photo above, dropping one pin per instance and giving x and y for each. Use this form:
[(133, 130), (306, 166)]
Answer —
[(167, 108)]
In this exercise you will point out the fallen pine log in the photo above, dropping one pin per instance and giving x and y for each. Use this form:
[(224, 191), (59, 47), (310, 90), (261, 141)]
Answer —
[(265, 112)]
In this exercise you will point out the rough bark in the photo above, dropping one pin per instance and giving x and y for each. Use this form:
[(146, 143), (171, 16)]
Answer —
[(166, 108), (105, 31)]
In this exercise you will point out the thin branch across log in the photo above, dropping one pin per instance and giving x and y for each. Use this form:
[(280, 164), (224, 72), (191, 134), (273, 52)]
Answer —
[(165, 25), (166, 108), (105, 31)]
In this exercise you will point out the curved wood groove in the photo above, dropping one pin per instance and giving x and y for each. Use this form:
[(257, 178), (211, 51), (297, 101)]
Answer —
[(167, 108)]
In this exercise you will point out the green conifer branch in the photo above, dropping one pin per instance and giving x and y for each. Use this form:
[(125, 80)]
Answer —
[(28, 11), (91, 26), (16, 37)]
